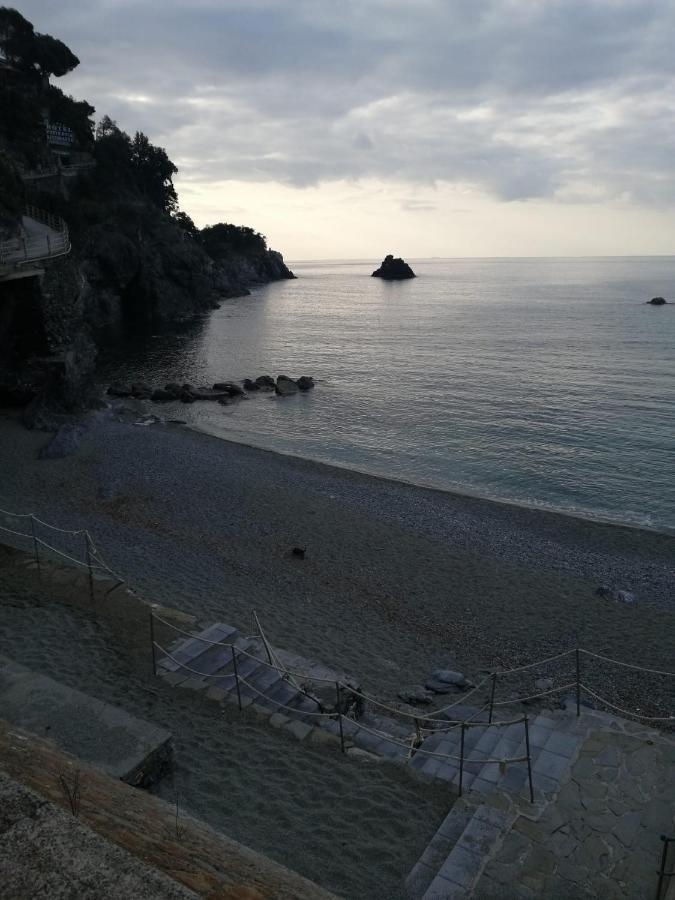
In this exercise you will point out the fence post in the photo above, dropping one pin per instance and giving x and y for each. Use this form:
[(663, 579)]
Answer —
[(461, 758), (236, 676), (35, 545), (152, 642), (576, 652), (529, 759), (339, 704), (87, 541), (492, 696)]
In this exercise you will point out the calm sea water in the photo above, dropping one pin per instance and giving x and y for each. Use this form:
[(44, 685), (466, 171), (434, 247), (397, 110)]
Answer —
[(547, 382)]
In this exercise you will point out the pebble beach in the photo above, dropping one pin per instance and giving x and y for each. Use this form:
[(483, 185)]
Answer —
[(396, 581)]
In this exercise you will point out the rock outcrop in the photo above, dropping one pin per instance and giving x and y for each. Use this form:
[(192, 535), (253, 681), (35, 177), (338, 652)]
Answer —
[(394, 269), (657, 301)]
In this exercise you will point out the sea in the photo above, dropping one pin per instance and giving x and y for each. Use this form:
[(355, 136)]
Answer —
[(543, 382)]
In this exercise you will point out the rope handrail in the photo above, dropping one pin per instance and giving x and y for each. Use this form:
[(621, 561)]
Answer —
[(204, 640), (564, 687), (432, 753), (628, 712), (431, 717), (619, 662), (533, 665), (14, 515), (94, 560)]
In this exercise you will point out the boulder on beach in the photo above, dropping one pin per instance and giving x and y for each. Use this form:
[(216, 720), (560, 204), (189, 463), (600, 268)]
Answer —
[(615, 595), (160, 396), (443, 681), (657, 301), (416, 695), (140, 390), (286, 386), (393, 269), (119, 390)]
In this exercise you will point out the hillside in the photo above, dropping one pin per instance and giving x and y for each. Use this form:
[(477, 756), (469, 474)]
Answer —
[(92, 239)]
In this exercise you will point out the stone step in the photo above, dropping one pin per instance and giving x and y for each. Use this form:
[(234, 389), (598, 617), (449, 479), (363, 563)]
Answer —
[(219, 659), (188, 649), (481, 837), (266, 681), (439, 848), (490, 773)]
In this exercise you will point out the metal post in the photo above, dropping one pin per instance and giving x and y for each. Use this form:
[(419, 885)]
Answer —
[(339, 705), (492, 696), (91, 575), (35, 545), (152, 642), (662, 867), (529, 760), (236, 676), (576, 652), (461, 758)]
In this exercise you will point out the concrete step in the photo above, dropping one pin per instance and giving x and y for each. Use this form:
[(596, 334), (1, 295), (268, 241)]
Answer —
[(507, 747), (189, 648), (438, 849), (482, 835)]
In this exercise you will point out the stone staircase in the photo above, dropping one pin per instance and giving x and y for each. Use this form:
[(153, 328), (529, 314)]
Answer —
[(258, 682), (554, 742), (454, 859)]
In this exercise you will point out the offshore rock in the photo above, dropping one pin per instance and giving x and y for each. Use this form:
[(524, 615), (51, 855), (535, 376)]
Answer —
[(286, 386), (265, 382), (657, 301), (305, 382), (393, 269)]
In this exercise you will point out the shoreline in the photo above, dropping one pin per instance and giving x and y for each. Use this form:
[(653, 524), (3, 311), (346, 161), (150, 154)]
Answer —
[(427, 486), (397, 580)]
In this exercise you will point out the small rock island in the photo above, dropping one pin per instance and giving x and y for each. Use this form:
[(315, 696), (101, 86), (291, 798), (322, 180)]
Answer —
[(657, 301), (393, 269)]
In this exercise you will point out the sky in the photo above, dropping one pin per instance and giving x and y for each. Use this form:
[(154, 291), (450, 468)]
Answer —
[(355, 128)]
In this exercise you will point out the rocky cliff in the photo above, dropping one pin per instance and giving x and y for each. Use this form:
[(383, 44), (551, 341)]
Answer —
[(135, 259)]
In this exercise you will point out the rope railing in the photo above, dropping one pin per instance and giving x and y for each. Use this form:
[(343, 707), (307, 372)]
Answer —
[(239, 679), (92, 562), (431, 718)]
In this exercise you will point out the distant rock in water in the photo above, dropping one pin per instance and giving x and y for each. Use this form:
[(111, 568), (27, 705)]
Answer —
[(657, 301), (393, 269)]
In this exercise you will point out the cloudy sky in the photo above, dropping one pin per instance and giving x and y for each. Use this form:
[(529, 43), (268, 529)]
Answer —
[(351, 128)]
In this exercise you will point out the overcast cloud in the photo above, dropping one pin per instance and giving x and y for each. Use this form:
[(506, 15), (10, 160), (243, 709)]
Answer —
[(565, 99)]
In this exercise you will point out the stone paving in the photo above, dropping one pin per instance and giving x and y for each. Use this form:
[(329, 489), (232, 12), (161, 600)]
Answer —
[(600, 837)]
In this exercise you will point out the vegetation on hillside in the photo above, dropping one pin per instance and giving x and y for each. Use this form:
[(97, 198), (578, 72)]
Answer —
[(132, 182)]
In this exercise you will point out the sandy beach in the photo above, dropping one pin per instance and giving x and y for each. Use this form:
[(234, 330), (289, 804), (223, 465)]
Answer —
[(396, 581)]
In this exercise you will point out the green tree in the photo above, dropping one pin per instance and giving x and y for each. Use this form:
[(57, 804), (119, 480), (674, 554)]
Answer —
[(154, 172), (31, 51), (221, 239)]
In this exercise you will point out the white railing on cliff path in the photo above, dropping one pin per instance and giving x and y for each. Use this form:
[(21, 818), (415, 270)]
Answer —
[(52, 241)]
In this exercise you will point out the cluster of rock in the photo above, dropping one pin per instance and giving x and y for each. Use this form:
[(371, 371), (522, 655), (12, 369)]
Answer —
[(222, 391), (442, 681), (393, 269)]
